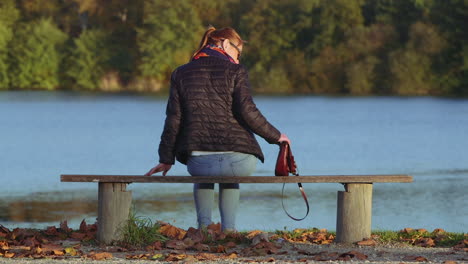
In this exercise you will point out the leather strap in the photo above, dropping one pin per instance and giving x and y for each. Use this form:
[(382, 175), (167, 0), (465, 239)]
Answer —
[(303, 196)]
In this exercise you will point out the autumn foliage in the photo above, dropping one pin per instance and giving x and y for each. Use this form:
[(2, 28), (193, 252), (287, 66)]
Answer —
[(199, 244)]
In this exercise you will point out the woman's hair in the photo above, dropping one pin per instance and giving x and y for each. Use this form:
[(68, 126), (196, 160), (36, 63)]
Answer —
[(214, 36)]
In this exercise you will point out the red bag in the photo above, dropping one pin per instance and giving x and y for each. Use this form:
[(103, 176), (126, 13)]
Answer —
[(285, 165)]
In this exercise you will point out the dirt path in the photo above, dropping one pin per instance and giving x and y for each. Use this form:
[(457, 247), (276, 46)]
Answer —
[(287, 252)]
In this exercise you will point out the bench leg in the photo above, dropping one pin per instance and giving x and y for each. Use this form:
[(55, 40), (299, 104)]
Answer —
[(354, 214), (113, 208)]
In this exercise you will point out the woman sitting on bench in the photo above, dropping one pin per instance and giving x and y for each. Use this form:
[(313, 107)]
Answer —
[(210, 121)]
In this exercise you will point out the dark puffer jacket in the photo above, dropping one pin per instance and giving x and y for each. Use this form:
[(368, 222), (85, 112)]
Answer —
[(210, 108)]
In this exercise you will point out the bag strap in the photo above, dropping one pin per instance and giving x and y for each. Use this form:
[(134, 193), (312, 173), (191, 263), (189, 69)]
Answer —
[(304, 196), (293, 170)]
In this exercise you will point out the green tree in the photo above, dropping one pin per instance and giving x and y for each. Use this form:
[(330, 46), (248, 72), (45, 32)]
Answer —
[(169, 35), (412, 66), (64, 13), (36, 55), (90, 59), (353, 66), (364, 69), (336, 17), (450, 17), (327, 75), (400, 14), (5, 37), (8, 17), (9, 14), (274, 30), (120, 20)]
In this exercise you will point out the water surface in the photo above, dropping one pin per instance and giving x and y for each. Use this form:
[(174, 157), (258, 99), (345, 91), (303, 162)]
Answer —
[(45, 134)]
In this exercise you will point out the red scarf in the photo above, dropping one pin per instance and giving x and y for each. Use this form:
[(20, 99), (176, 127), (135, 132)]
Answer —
[(213, 51)]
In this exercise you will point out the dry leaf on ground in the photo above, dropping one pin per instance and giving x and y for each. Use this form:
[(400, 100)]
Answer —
[(100, 256), (172, 232), (415, 258), (367, 242)]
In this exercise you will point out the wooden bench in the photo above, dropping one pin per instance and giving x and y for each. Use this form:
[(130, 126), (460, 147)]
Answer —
[(354, 205)]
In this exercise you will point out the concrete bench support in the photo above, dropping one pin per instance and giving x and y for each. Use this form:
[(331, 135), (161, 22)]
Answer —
[(354, 213), (114, 203)]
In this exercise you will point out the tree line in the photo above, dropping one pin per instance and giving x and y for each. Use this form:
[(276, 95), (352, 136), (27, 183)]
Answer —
[(358, 47)]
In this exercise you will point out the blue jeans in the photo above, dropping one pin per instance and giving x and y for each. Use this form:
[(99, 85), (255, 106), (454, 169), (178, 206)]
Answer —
[(226, 164)]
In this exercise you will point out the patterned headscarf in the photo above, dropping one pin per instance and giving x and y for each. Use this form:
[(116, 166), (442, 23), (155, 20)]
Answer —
[(213, 51)]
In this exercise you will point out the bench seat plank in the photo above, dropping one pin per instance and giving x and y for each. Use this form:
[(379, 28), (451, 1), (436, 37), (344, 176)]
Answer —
[(237, 179)]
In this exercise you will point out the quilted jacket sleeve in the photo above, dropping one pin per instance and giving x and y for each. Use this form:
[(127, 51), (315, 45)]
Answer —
[(245, 108), (167, 145)]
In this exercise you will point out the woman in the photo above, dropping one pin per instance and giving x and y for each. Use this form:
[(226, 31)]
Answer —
[(210, 123)]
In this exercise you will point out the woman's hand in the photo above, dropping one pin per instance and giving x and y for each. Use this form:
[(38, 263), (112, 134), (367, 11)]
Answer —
[(160, 167), (283, 137)]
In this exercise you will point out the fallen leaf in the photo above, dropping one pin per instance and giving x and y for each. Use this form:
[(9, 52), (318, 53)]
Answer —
[(425, 242), (37, 256), (214, 227), (415, 258), (64, 227), (58, 252), (155, 246), (100, 256), (367, 242), (206, 256), (355, 254), (38, 250), (230, 244), (253, 233), (218, 249), (83, 226), (449, 262), (175, 257), (4, 245), (261, 237), (176, 244), (137, 256), (78, 236), (21, 234), (195, 234), (407, 230), (462, 244), (157, 257), (50, 248), (201, 247), (438, 231), (51, 231), (189, 242), (172, 232), (8, 254), (20, 248), (190, 259), (270, 248), (4, 229), (71, 251), (231, 256), (30, 242)]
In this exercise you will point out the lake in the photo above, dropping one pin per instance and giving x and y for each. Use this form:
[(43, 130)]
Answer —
[(45, 134)]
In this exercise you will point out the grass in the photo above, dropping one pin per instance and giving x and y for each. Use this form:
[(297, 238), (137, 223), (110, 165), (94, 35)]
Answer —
[(440, 237), (418, 237), (140, 231)]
